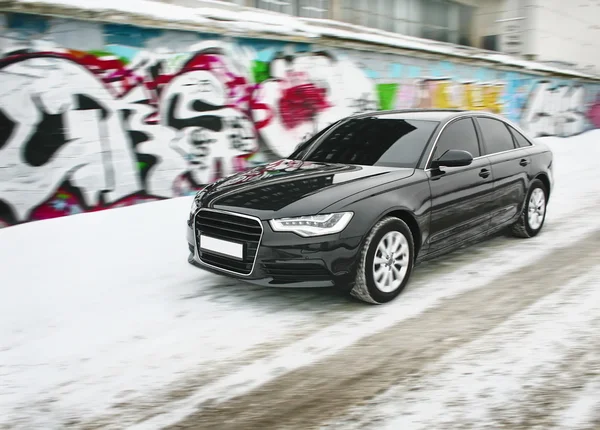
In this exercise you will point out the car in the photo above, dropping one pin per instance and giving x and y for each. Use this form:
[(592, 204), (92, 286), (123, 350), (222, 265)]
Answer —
[(366, 199)]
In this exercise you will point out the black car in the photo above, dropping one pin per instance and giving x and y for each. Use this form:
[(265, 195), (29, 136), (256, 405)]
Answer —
[(360, 203)]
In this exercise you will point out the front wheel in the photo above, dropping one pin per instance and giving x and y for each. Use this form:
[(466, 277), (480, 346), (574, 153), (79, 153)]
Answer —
[(534, 212), (385, 262)]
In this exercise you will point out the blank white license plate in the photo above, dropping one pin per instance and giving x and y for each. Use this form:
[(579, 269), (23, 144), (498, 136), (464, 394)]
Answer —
[(224, 247)]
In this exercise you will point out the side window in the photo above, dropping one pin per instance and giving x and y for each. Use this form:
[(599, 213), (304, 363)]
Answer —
[(522, 142), (496, 136), (458, 135)]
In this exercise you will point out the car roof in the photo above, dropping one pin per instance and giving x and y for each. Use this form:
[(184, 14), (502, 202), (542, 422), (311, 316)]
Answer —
[(415, 114)]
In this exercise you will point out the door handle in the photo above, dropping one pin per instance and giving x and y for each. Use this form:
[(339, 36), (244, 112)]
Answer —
[(524, 162), (484, 173)]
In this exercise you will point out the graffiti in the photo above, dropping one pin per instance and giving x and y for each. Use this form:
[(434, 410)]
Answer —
[(555, 110), (305, 93), (64, 120), (64, 125), (88, 122), (594, 113), (449, 94)]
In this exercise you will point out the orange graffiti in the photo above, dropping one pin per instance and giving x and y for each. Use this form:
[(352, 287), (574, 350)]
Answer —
[(492, 98), (448, 94), (484, 97)]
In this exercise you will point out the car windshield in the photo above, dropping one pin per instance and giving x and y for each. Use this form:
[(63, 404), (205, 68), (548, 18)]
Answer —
[(372, 141)]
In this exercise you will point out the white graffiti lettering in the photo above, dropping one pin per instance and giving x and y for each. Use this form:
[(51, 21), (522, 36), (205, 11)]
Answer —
[(555, 110)]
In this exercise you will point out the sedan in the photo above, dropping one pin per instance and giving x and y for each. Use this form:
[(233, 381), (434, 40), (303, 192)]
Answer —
[(367, 198)]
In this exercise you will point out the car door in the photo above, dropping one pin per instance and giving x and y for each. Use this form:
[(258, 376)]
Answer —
[(510, 168), (460, 196)]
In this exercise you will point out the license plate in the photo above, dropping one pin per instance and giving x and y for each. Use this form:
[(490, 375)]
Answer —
[(223, 247)]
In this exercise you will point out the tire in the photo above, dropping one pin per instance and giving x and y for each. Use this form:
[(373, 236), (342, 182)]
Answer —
[(365, 286), (529, 226)]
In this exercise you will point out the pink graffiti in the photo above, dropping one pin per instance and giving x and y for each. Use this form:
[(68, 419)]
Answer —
[(594, 113), (301, 103), (65, 202), (406, 96)]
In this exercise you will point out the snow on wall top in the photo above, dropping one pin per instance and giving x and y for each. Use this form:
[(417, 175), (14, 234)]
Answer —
[(249, 22)]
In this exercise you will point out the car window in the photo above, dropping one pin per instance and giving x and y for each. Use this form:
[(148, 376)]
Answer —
[(459, 134), (373, 141), (522, 142), (304, 146), (496, 136)]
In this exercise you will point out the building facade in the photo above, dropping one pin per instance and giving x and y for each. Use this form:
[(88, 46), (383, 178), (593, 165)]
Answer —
[(555, 31), (109, 112)]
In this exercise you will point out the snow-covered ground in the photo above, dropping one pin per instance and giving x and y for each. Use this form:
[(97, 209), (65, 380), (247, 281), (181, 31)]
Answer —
[(103, 321), (491, 378)]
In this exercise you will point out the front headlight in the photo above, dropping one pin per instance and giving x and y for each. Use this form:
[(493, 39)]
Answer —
[(315, 225)]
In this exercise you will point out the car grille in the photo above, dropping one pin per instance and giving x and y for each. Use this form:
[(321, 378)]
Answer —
[(235, 228), (283, 273)]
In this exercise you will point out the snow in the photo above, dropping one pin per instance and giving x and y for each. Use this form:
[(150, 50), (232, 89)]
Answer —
[(580, 413), (102, 309), (150, 9), (95, 304), (479, 381), (239, 20)]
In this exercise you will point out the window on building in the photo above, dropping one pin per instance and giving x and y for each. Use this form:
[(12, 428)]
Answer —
[(442, 20), (465, 25), (399, 16), (446, 21), (490, 42), (435, 20), (281, 6), (314, 8), (303, 8)]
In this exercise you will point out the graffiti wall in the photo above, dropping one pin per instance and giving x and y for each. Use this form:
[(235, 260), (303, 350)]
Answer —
[(96, 116)]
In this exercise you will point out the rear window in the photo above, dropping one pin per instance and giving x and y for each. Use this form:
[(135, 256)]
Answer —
[(496, 136), (521, 141), (371, 141)]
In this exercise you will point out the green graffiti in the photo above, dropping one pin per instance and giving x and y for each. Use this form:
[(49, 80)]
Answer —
[(387, 95), (100, 54), (260, 71)]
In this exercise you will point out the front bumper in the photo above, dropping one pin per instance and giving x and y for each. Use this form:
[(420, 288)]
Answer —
[(288, 260)]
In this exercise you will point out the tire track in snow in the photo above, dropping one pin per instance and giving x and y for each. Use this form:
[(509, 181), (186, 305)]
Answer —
[(306, 396), (584, 412), (513, 377), (326, 309), (430, 281)]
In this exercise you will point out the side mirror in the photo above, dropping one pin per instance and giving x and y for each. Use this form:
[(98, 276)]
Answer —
[(453, 158)]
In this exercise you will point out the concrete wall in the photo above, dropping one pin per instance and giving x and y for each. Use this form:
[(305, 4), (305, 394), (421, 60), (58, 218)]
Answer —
[(485, 16), (553, 30), (566, 31), (95, 116)]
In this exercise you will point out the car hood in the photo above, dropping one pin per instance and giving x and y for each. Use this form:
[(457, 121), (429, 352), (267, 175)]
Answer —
[(293, 188)]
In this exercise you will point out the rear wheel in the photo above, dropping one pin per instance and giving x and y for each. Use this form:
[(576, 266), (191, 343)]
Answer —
[(386, 262), (534, 212)]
